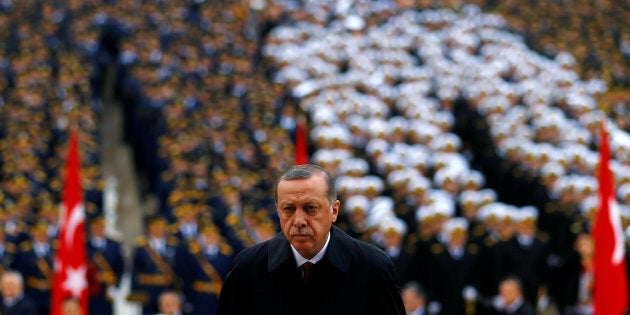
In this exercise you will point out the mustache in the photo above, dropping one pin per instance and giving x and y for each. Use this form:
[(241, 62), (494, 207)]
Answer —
[(300, 231)]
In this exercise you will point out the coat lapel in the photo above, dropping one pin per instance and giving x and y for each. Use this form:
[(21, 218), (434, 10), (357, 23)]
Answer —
[(279, 252), (339, 249)]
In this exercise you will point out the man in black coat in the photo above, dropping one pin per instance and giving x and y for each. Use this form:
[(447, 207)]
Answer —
[(347, 276)]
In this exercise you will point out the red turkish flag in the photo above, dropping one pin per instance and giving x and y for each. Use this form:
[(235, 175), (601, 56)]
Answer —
[(610, 290), (301, 142), (70, 278)]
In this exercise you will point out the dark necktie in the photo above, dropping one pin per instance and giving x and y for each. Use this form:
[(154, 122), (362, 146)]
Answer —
[(306, 271)]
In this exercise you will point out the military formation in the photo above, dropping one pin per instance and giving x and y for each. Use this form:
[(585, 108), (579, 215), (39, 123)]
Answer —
[(466, 156)]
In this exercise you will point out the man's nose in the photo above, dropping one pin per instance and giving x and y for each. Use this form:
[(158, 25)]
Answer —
[(300, 218)]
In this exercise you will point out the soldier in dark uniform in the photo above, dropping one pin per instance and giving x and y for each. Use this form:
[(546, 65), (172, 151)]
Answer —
[(404, 203), (525, 255), (353, 218), (564, 261), (206, 262), (392, 233), (454, 269), (185, 226), (8, 252), (417, 189), (471, 203), (107, 262), (15, 229), (420, 244), (35, 263), (153, 265)]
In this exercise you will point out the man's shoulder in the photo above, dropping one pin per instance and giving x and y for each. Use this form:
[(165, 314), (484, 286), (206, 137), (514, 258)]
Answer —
[(255, 254), (365, 252), (255, 250)]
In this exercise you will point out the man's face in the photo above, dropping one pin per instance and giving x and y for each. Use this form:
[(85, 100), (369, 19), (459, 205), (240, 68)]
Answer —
[(411, 301), (305, 213), (169, 304), (70, 307), (157, 229), (97, 229), (509, 291), (458, 238), (10, 287)]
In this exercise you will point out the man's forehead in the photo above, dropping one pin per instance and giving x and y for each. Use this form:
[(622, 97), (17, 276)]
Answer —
[(315, 180)]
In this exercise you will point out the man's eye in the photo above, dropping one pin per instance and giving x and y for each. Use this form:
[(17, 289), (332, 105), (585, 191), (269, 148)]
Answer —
[(311, 210), (288, 210)]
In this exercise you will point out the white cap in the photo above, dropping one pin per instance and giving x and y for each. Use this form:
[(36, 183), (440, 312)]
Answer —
[(526, 213), (402, 176), (473, 177), (393, 224), (469, 196), (590, 204), (446, 173), (452, 225), (418, 183), (424, 212), (624, 191), (354, 166), (357, 203), (382, 208), (354, 23)]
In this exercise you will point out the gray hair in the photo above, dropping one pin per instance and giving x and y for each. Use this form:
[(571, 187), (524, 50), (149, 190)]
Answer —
[(307, 171)]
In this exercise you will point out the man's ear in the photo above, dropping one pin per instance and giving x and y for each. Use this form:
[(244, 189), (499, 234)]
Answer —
[(334, 208)]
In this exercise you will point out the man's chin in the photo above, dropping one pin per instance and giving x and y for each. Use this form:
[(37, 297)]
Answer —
[(302, 245)]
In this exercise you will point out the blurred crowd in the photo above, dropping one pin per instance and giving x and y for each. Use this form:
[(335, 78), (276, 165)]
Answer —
[(466, 155), (47, 60), (463, 136), (594, 32)]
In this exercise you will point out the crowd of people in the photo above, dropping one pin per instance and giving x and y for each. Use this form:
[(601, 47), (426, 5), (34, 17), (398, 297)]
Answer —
[(465, 154), (593, 32), (458, 149), (47, 71)]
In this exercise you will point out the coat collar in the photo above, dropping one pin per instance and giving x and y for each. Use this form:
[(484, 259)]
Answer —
[(338, 252)]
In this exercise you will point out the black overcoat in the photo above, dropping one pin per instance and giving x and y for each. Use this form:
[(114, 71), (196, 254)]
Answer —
[(352, 278)]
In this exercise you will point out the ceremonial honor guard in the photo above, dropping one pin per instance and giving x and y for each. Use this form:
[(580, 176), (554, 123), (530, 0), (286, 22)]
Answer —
[(35, 262), (8, 251), (153, 266), (453, 270), (185, 227), (207, 261), (107, 262), (526, 256)]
